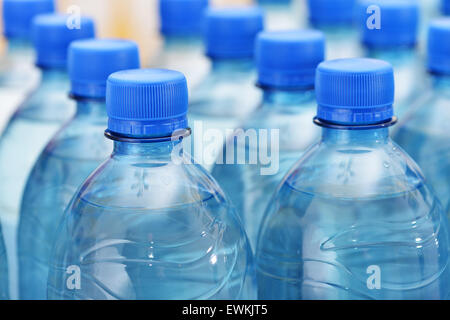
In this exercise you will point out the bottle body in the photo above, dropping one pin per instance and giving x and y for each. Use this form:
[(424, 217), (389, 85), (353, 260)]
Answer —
[(223, 99), (65, 163), (336, 231), (27, 133), (145, 227), (283, 123), (424, 135), (4, 287)]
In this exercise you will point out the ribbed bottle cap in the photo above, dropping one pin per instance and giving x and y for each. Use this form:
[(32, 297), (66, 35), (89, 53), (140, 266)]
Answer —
[(289, 58), (147, 102), (182, 17), (52, 37), (231, 32), (439, 46), (355, 91), (331, 12), (92, 61), (18, 16), (399, 23), (446, 7)]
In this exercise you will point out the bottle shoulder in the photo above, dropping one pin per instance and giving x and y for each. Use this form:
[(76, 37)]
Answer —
[(381, 170), (149, 184)]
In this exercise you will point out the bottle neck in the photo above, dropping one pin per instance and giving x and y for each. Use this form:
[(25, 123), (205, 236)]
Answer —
[(150, 151), (20, 49), (441, 82), (54, 76), (92, 109), (174, 42), (393, 54), (238, 65), (282, 98), (365, 137)]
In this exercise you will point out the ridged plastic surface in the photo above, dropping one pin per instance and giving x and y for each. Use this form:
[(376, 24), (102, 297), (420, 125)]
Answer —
[(231, 32), (182, 17), (439, 46), (147, 102), (289, 58), (52, 37), (355, 91), (18, 16), (399, 23), (88, 70)]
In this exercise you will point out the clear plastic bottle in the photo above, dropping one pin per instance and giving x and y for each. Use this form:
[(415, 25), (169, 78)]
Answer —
[(70, 156), (336, 19), (149, 223), (395, 41), (354, 219), (18, 75), (286, 62), (228, 94), (181, 26), (4, 286), (424, 134), (36, 121), (281, 14)]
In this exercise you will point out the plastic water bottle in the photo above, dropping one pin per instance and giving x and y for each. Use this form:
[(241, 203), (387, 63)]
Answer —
[(149, 223), (286, 62), (336, 19), (37, 120), (281, 14), (18, 75), (389, 30), (425, 135), (4, 287), (228, 93), (69, 157), (182, 23), (354, 219)]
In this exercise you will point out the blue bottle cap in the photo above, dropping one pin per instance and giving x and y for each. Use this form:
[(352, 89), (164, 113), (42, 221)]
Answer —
[(439, 46), (399, 23), (92, 61), (52, 35), (289, 58), (147, 102), (182, 17), (446, 7), (355, 91), (18, 16), (331, 12), (231, 32)]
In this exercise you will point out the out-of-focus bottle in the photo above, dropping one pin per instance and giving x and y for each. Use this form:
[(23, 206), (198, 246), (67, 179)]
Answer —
[(4, 286), (182, 23), (281, 14), (228, 93), (425, 134), (389, 31), (445, 7), (336, 18), (36, 120), (281, 129), (149, 223), (18, 75), (70, 156), (355, 218)]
